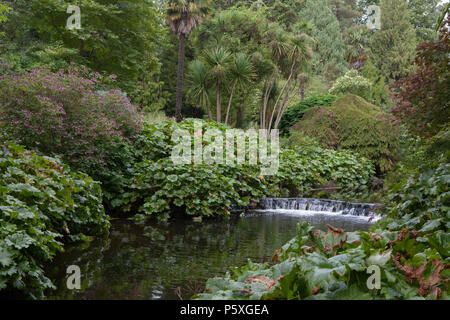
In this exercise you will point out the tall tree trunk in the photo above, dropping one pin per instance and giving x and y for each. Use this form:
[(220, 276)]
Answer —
[(270, 83), (210, 117), (229, 102), (219, 111), (287, 84), (286, 102), (239, 115), (302, 89), (179, 104)]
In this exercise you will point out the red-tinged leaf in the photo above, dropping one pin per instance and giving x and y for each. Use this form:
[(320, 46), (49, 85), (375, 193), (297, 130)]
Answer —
[(315, 290)]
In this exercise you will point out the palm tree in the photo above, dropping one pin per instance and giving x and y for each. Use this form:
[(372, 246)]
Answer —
[(183, 16), (303, 78), (291, 56), (198, 82), (218, 60), (356, 48), (277, 40), (299, 52), (241, 74)]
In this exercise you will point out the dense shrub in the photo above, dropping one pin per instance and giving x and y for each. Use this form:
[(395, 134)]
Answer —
[(159, 187), (198, 190), (42, 205), (321, 125), (355, 125), (295, 113), (352, 83), (209, 190), (410, 246), (305, 166), (127, 161), (63, 113)]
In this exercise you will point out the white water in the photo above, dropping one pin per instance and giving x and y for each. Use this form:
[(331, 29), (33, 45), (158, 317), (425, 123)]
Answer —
[(307, 207)]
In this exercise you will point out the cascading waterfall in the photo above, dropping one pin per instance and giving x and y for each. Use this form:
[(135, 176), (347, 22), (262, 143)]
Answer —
[(321, 205)]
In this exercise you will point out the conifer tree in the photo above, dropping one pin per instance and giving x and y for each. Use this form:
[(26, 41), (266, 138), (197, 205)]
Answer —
[(393, 47), (346, 12), (329, 58), (380, 91)]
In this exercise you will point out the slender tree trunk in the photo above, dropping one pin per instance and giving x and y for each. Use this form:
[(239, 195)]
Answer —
[(286, 102), (239, 115), (229, 102), (270, 83), (287, 84), (210, 117), (302, 90), (219, 111), (179, 104), (207, 105)]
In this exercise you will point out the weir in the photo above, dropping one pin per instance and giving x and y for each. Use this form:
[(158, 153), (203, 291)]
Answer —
[(320, 205)]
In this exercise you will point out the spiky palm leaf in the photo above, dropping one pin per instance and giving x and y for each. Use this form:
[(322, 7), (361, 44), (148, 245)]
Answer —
[(241, 70), (199, 83), (185, 15), (219, 61), (241, 73)]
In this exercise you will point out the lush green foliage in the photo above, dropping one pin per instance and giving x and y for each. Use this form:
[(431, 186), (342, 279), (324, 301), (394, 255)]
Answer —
[(295, 112), (410, 246), (158, 187), (64, 113), (393, 46), (423, 16), (379, 94), (250, 60), (329, 58), (352, 83), (119, 38), (42, 205), (354, 124), (3, 9), (306, 165), (202, 190)]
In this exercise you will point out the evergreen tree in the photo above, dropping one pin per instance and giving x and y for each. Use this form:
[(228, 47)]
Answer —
[(346, 12), (393, 47), (329, 58), (117, 38), (423, 17), (380, 91)]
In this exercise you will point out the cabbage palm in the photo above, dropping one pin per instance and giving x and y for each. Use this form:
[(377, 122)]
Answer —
[(198, 82), (218, 60), (183, 16), (241, 74), (276, 39), (299, 51)]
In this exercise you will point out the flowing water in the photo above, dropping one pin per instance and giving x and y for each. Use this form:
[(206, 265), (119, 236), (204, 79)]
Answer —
[(169, 260)]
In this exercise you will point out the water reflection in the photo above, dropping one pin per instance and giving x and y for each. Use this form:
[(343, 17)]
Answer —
[(169, 260)]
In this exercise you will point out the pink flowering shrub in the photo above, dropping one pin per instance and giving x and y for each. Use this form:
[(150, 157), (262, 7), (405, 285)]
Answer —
[(62, 113)]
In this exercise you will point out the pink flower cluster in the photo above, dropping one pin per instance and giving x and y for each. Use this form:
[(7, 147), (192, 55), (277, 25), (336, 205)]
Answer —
[(62, 112)]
